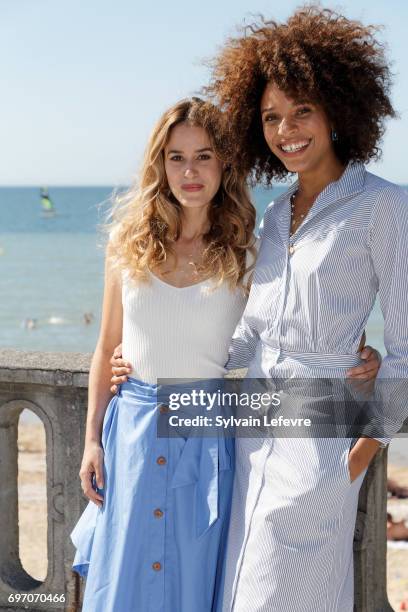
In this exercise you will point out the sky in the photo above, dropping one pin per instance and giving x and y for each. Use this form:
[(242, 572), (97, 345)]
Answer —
[(83, 81)]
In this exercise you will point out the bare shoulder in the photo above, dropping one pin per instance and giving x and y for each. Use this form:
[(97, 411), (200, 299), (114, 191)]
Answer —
[(113, 273)]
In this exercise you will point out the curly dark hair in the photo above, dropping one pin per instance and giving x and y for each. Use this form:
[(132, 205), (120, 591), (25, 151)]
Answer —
[(319, 56)]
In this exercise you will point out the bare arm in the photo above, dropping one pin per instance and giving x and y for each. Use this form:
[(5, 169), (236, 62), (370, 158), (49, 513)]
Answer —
[(361, 455), (99, 393)]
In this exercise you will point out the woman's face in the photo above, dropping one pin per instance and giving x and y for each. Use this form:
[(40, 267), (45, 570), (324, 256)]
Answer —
[(193, 171), (299, 134)]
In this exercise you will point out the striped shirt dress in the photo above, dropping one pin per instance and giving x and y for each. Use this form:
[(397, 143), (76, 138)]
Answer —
[(290, 543)]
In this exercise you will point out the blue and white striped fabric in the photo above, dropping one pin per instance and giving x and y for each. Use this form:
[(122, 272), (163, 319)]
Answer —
[(290, 544), (313, 292)]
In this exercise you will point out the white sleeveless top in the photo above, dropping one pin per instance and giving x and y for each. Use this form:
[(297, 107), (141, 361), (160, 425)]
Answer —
[(171, 332)]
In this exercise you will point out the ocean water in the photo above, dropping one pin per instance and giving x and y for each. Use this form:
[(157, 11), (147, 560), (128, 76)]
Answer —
[(52, 268)]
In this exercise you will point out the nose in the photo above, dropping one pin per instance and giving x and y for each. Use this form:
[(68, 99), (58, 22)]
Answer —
[(190, 170), (286, 127)]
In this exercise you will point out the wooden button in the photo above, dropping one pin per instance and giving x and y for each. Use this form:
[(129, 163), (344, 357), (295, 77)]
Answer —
[(164, 409), (161, 460), (158, 513), (156, 566)]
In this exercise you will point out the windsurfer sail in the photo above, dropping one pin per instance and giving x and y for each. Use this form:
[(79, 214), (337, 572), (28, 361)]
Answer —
[(46, 202)]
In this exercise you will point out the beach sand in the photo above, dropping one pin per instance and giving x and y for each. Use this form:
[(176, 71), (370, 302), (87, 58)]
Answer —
[(32, 513), (32, 497), (397, 558)]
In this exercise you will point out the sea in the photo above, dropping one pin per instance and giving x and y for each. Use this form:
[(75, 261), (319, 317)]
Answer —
[(51, 266), (51, 280)]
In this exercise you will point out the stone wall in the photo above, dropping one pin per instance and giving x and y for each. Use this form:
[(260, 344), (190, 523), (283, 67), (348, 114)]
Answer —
[(54, 387)]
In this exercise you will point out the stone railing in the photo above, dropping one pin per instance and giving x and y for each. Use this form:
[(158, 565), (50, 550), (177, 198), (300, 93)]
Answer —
[(54, 387)]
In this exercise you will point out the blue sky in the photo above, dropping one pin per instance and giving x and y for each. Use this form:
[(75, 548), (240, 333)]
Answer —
[(83, 81)]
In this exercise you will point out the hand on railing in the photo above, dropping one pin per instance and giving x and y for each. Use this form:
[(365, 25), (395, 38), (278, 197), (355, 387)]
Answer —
[(91, 472)]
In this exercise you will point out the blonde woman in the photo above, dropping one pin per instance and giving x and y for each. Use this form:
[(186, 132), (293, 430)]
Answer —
[(153, 534)]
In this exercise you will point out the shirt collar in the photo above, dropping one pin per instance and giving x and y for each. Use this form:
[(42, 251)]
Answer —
[(350, 183)]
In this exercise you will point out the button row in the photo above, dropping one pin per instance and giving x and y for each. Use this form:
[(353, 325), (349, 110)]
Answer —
[(157, 512)]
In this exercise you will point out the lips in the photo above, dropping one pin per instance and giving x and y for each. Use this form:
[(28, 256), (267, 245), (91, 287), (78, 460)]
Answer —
[(192, 187)]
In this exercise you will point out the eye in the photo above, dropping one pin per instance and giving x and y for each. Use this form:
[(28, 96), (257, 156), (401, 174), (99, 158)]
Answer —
[(204, 156), (176, 158), (270, 118), (303, 110)]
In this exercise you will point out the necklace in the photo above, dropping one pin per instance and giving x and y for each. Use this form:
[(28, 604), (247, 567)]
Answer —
[(294, 222), (188, 262)]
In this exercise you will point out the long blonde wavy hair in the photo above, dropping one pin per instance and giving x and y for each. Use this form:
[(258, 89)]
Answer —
[(146, 221)]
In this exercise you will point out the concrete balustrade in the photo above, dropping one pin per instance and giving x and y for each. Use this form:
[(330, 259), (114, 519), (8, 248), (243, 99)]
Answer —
[(54, 387)]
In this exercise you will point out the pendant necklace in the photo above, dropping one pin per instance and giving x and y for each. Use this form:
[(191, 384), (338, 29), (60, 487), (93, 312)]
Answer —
[(293, 220)]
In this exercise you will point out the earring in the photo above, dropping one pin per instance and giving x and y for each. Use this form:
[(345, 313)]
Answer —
[(334, 135)]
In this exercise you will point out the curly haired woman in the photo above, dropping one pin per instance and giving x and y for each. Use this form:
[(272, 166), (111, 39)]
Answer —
[(310, 97)]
